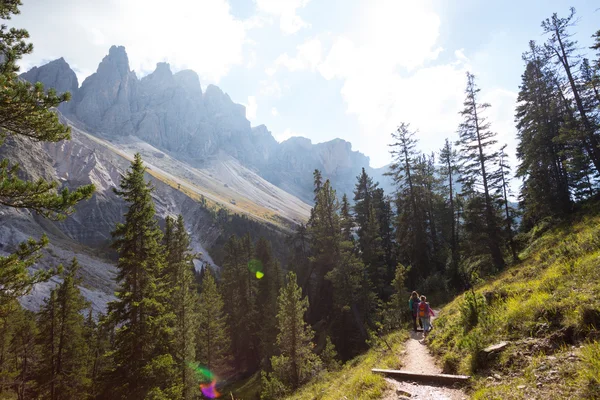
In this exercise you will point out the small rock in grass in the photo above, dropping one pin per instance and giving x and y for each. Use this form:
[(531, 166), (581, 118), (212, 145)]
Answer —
[(497, 376), (521, 387)]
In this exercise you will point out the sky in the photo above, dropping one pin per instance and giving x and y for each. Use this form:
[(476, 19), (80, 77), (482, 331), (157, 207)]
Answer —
[(322, 69)]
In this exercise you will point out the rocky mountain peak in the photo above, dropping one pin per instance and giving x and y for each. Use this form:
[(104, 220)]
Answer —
[(56, 74), (188, 80), (226, 112), (104, 101), (162, 71), (116, 58)]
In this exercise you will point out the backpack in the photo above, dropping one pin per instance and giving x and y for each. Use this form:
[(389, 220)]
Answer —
[(423, 310)]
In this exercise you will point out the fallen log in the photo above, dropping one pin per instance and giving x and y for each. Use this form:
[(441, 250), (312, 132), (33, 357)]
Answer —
[(442, 379)]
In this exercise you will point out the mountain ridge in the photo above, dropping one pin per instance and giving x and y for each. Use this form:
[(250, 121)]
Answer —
[(171, 112)]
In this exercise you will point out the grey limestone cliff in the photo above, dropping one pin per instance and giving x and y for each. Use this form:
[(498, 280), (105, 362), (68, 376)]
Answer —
[(171, 112)]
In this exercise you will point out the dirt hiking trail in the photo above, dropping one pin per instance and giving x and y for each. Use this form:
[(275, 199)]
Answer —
[(416, 358)]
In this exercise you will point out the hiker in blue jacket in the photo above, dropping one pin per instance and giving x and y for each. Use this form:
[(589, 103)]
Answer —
[(413, 305)]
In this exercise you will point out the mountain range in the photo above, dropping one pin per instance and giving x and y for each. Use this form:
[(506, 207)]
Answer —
[(172, 113), (204, 159)]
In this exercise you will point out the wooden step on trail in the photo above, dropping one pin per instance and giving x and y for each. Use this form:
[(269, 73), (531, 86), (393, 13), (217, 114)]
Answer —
[(442, 379)]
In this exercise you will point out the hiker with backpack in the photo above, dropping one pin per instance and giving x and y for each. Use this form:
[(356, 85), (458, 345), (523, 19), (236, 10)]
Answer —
[(413, 305), (425, 314)]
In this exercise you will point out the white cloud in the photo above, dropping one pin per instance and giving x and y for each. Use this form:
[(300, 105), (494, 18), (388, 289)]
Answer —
[(251, 108), (274, 112), (285, 11), (201, 35), (460, 54), (308, 56), (388, 77), (285, 135), (252, 59), (270, 88)]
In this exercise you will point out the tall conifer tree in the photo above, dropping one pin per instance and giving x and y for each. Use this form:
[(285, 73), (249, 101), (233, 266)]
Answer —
[(410, 220), (325, 232), (297, 362), (542, 151), (477, 156), (142, 362), (449, 174), (268, 290), (64, 369), (183, 301), (213, 336), (562, 49)]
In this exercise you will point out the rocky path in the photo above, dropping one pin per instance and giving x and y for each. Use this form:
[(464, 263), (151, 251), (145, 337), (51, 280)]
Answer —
[(416, 358)]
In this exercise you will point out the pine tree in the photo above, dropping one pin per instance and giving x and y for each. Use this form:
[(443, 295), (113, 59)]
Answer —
[(346, 221), (477, 156), (324, 232), (369, 239), (329, 356), (142, 363), (299, 263), (363, 199), (590, 79), (212, 343), (503, 182), (268, 290), (64, 368), (101, 335), (297, 362), (410, 223), (561, 48), (354, 302), (20, 354), (239, 289), (385, 217), (542, 150), (449, 173), (26, 114), (429, 187), (183, 301), (373, 254)]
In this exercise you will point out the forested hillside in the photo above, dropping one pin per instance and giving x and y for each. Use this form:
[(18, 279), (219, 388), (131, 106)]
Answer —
[(330, 299)]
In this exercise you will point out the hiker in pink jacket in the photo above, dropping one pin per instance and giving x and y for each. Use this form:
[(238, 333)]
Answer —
[(425, 314)]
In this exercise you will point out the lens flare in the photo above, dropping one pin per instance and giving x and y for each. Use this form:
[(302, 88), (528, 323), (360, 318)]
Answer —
[(256, 267), (208, 381), (202, 374), (210, 390)]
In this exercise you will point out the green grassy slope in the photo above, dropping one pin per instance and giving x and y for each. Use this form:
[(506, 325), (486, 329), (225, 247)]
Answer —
[(355, 380), (547, 307)]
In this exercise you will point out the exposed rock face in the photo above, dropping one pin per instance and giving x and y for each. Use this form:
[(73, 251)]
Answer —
[(170, 112), (87, 233), (56, 74), (169, 109), (103, 103)]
